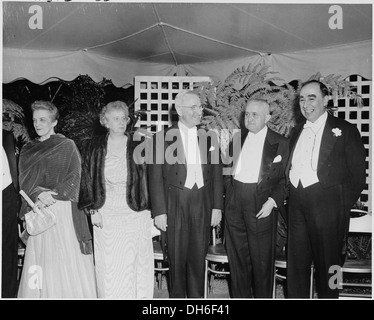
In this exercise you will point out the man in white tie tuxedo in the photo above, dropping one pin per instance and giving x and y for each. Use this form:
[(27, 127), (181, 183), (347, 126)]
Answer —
[(255, 192), (326, 174), (186, 189), (10, 208)]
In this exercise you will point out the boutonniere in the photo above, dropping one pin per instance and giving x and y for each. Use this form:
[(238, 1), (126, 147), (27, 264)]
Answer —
[(337, 132), (278, 158)]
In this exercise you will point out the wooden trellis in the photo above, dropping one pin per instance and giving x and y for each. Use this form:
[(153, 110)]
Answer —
[(155, 96), (349, 111)]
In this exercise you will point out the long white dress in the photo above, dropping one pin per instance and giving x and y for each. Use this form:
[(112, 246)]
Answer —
[(123, 247), (54, 266)]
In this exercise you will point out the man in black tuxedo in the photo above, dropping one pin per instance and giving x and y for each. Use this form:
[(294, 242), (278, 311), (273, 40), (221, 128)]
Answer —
[(255, 192), (10, 206), (326, 173), (186, 190)]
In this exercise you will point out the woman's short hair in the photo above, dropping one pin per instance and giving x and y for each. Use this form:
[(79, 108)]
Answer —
[(46, 105), (115, 105)]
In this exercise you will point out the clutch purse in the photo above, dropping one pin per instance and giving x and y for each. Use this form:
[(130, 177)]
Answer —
[(37, 220)]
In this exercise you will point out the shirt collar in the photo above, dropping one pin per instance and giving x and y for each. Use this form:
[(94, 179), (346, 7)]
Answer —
[(318, 123), (185, 129), (259, 135)]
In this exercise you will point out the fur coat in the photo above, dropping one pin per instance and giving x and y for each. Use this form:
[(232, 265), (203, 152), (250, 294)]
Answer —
[(92, 187)]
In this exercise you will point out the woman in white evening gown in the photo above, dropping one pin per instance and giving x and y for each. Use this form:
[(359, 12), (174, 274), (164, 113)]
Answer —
[(114, 194), (58, 263)]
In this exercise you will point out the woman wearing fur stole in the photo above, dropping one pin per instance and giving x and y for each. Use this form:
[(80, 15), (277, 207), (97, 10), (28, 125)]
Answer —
[(114, 194)]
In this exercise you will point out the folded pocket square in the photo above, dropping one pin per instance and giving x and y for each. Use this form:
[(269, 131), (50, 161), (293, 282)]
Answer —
[(278, 158)]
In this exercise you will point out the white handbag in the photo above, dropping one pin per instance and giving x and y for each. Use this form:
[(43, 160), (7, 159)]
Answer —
[(37, 220)]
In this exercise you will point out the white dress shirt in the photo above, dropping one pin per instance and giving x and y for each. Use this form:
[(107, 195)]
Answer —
[(192, 153), (249, 163), (7, 178), (305, 157)]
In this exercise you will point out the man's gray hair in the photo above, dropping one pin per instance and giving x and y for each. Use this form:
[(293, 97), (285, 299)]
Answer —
[(180, 97)]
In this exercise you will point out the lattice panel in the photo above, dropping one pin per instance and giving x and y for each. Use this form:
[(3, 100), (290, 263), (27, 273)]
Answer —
[(349, 111), (155, 96)]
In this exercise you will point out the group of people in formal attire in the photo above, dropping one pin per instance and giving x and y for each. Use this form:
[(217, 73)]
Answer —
[(107, 196)]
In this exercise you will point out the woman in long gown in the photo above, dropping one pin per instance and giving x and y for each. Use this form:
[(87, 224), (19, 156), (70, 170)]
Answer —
[(114, 192), (49, 173)]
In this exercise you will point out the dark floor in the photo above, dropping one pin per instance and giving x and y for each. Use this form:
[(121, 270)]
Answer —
[(219, 289)]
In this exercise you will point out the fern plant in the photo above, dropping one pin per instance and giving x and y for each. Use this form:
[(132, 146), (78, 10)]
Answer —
[(225, 101), (81, 109), (14, 121), (338, 88)]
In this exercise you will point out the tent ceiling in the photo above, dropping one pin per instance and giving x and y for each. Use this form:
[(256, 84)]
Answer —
[(182, 33)]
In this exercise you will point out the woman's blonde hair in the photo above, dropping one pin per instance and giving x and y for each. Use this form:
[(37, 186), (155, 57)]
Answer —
[(46, 105)]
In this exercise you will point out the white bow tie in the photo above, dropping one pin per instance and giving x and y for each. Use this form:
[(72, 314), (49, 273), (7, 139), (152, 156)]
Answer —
[(309, 124)]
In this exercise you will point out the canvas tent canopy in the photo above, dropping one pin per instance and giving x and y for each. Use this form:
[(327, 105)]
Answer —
[(119, 41)]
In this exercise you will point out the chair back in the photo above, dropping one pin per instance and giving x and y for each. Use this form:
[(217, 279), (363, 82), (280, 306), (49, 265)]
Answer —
[(361, 224), (217, 236), (214, 236)]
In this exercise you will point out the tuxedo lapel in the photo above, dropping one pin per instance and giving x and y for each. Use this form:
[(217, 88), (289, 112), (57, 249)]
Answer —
[(203, 148), (268, 155), (327, 143), (236, 155), (244, 134), (297, 132), (174, 146), (9, 147)]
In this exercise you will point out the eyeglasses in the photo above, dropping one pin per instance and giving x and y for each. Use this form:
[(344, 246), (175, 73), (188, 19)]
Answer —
[(253, 115), (194, 107)]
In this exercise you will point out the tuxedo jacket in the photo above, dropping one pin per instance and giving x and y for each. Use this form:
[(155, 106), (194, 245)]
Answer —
[(341, 159), (271, 180), (167, 168), (10, 150)]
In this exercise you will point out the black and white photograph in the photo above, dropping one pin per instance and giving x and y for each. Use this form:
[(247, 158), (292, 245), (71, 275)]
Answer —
[(212, 151)]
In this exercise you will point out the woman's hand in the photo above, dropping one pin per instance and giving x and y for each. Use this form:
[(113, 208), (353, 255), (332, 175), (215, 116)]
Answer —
[(97, 219), (37, 206), (46, 198), (161, 222)]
